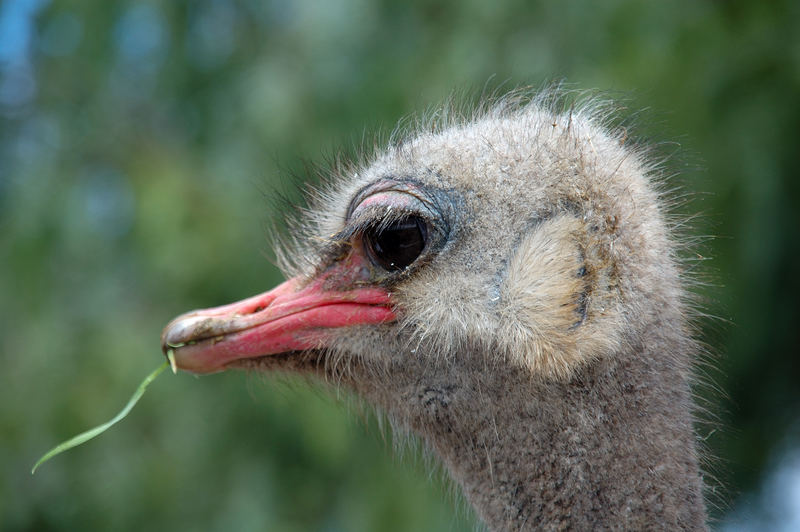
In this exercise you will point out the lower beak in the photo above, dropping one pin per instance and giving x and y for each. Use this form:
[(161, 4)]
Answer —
[(288, 318)]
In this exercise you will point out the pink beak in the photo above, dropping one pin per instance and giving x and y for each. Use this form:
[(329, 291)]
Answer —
[(287, 318)]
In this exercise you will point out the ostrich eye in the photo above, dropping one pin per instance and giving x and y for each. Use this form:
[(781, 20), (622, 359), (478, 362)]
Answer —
[(395, 246)]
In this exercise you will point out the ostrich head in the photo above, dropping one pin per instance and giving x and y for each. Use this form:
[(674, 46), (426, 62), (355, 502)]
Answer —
[(506, 288)]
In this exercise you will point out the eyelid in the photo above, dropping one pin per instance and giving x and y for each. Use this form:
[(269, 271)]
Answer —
[(406, 187), (385, 205)]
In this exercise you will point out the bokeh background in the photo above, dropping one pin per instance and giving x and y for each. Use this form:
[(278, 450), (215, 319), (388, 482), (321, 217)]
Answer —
[(141, 144)]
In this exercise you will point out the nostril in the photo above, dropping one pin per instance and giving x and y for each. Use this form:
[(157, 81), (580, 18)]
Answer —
[(259, 308)]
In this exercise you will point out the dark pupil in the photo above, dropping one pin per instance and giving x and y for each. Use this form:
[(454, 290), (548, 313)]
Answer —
[(399, 244)]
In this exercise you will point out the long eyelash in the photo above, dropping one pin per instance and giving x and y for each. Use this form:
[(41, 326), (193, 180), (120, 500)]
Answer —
[(376, 219)]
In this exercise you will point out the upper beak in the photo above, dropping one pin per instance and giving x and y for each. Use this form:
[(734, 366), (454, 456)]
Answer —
[(288, 318)]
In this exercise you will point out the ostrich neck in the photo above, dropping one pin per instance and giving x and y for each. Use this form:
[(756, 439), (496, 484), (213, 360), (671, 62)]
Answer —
[(614, 447)]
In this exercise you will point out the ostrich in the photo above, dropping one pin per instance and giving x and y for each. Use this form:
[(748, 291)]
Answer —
[(503, 284)]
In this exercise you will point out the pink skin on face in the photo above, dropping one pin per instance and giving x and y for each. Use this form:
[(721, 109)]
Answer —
[(290, 317), (386, 199)]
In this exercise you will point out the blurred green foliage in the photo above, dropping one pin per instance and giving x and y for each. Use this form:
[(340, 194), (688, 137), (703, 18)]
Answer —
[(141, 144)]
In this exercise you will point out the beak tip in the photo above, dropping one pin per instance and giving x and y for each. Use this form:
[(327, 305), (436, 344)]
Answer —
[(181, 331)]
